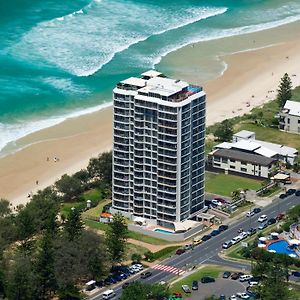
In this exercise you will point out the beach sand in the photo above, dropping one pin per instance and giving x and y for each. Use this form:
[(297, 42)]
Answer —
[(247, 82)]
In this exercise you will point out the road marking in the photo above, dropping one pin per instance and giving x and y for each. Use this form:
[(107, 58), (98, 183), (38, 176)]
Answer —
[(169, 269)]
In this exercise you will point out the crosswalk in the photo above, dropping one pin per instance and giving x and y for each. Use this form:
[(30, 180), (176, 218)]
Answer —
[(169, 269)]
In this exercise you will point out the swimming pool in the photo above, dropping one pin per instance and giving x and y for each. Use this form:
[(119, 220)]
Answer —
[(163, 231), (282, 247)]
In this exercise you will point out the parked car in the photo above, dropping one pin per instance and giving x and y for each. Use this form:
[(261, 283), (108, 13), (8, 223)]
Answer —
[(296, 273), (215, 232), (236, 239), (280, 216), (188, 247), (226, 274), (297, 193), (186, 288), (227, 244), (197, 240), (146, 274), (216, 202), (250, 213), (221, 200), (271, 221), (251, 231), (195, 285), (243, 295), (223, 227), (263, 226), (243, 235), (282, 196), (109, 280), (207, 279), (262, 218), (245, 277), (257, 210), (180, 251), (291, 191), (235, 276), (222, 297), (233, 297), (206, 237)]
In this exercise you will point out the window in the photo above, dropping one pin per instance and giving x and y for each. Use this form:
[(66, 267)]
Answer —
[(232, 167), (216, 158), (217, 164), (224, 160), (288, 120), (243, 169)]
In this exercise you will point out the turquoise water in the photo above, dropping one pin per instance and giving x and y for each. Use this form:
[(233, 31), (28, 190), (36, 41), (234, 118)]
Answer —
[(281, 247), (61, 58), (163, 231)]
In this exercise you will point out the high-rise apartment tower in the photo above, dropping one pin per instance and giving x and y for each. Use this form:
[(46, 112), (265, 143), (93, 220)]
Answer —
[(158, 148)]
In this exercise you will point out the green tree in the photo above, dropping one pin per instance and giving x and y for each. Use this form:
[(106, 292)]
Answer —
[(224, 131), (4, 208), (284, 90), (74, 225), (116, 237), (100, 168), (140, 291), (20, 279), (44, 268), (69, 186), (136, 257)]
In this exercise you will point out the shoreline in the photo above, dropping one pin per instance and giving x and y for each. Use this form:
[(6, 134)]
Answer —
[(249, 73)]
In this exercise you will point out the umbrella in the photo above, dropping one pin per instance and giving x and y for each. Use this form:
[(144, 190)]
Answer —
[(294, 242), (292, 255), (261, 245), (275, 233), (262, 239)]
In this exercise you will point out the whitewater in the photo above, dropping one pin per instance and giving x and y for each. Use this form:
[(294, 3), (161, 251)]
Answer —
[(61, 60)]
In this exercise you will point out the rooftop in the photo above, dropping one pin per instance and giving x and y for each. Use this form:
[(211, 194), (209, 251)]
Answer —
[(244, 134), (139, 82), (293, 107), (151, 73), (246, 157)]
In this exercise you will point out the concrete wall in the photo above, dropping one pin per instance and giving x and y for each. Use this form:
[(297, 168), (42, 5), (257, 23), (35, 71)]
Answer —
[(176, 237)]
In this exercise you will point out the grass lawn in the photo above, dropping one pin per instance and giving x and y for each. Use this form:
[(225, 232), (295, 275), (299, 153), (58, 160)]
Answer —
[(131, 249), (222, 184), (271, 135), (132, 234), (96, 211), (206, 271), (93, 195), (66, 207)]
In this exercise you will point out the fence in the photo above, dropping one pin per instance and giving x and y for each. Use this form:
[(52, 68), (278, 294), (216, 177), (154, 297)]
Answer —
[(173, 237)]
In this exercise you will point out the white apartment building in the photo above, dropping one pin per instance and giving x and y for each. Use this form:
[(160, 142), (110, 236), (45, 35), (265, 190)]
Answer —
[(158, 148), (289, 117)]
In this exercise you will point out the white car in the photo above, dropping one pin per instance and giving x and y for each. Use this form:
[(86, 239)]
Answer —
[(243, 295), (243, 235), (245, 277), (250, 213), (262, 218), (233, 297), (236, 239), (216, 202)]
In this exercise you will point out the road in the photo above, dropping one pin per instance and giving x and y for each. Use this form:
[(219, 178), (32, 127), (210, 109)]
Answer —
[(207, 252)]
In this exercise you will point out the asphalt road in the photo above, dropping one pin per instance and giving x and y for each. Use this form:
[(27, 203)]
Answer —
[(207, 252)]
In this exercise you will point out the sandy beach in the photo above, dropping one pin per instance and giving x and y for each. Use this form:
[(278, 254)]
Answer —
[(247, 82)]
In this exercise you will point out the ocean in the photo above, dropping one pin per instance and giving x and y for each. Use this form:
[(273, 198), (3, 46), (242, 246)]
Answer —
[(61, 59)]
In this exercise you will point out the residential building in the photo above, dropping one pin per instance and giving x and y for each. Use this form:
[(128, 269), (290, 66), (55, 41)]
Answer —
[(247, 155), (234, 161), (158, 148), (289, 117)]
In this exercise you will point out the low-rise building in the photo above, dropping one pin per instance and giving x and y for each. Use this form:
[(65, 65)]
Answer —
[(289, 117), (249, 156)]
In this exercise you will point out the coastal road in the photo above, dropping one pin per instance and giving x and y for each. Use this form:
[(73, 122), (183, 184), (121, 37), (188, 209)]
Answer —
[(208, 251)]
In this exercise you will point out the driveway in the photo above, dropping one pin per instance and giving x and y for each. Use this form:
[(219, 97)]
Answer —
[(227, 287)]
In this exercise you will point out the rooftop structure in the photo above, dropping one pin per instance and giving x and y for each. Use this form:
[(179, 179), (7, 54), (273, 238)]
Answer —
[(289, 117)]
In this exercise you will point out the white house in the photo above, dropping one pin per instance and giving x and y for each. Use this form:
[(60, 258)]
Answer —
[(289, 117)]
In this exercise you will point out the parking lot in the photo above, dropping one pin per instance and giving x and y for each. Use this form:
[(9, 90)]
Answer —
[(227, 287)]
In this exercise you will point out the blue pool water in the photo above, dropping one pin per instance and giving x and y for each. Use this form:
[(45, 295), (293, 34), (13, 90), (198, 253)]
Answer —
[(163, 231), (281, 247)]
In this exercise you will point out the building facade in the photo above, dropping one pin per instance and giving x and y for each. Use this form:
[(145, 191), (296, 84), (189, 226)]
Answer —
[(289, 117), (158, 148)]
